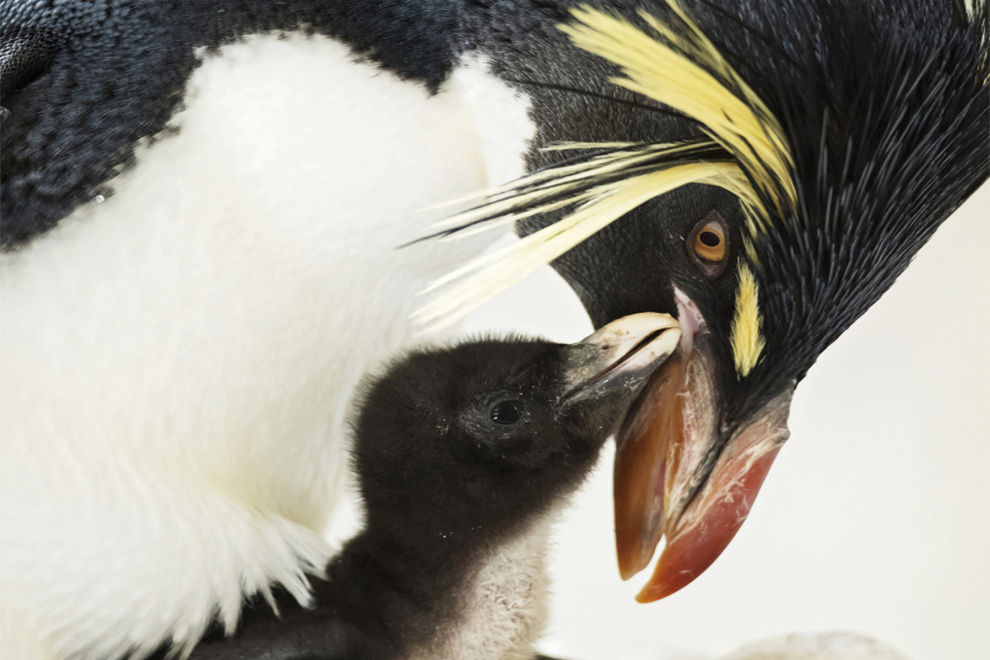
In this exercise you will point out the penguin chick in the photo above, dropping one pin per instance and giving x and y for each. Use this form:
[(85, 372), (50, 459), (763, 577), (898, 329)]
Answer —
[(462, 455)]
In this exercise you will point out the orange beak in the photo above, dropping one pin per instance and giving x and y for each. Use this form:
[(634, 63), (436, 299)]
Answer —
[(680, 475)]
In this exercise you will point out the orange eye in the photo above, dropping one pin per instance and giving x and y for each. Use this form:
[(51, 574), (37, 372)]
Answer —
[(708, 243)]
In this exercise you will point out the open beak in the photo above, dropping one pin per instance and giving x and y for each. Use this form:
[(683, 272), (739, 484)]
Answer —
[(618, 359), (680, 474)]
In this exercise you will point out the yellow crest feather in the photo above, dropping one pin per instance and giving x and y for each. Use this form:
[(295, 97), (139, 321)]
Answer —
[(746, 339), (689, 74), (679, 67), (491, 273)]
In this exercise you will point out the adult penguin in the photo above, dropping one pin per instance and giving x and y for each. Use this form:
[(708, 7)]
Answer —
[(200, 204)]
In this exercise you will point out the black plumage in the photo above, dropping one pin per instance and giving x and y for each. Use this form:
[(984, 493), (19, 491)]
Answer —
[(83, 83), (883, 106), (888, 116), (868, 121)]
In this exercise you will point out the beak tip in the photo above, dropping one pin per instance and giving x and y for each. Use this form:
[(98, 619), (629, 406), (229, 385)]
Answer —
[(670, 576), (703, 530), (648, 596), (654, 592), (663, 585), (633, 555), (626, 571)]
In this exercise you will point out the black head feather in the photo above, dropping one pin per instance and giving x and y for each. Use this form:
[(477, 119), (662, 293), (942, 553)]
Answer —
[(883, 107), (470, 442), (886, 107)]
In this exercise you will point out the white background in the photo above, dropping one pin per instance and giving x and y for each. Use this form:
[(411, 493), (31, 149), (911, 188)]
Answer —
[(874, 517)]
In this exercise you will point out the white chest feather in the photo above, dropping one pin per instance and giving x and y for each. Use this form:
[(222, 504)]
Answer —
[(502, 606), (184, 351)]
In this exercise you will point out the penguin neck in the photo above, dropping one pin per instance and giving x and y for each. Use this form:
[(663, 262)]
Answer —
[(455, 595)]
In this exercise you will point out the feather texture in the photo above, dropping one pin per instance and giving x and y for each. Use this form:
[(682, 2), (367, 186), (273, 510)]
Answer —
[(676, 65)]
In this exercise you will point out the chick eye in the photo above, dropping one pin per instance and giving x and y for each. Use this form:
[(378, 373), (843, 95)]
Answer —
[(506, 412), (708, 244)]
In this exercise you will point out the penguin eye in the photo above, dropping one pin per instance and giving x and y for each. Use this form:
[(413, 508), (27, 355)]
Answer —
[(506, 412), (708, 244)]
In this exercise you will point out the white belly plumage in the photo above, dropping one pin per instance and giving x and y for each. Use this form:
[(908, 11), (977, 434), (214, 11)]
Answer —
[(179, 357)]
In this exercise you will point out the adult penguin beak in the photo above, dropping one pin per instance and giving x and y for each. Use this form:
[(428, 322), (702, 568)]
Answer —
[(682, 474)]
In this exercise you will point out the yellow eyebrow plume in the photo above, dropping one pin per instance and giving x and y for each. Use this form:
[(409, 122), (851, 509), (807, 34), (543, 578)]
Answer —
[(685, 71), (746, 340), (675, 64), (489, 274)]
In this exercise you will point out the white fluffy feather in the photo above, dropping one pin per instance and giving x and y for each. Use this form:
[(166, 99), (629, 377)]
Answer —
[(503, 605), (179, 357)]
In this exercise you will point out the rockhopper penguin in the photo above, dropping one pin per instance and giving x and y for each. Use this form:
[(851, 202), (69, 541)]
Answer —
[(200, 203), (462, 455)]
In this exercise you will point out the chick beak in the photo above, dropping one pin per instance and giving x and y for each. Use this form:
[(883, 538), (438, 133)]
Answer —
[(680, 475), (618, 359)]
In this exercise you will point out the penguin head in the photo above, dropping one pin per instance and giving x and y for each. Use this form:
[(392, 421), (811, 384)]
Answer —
[(470, 440)]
